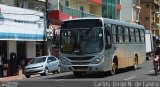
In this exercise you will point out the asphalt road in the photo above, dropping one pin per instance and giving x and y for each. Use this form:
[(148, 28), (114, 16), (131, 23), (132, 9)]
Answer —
[(143, 74)]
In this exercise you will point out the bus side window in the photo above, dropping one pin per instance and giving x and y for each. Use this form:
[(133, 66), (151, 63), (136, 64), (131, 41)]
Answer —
[(142, 36), (108, 35), (114, 39), (137, 35), (126, 35), (132, 38), (120, 34)]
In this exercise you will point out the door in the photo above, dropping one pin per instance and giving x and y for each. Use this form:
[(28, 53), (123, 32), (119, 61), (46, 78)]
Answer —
[(51, 65), (3, 51), (21, 51)]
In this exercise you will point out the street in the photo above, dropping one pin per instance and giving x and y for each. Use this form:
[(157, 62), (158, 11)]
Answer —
[(142, 77), (145, 72)]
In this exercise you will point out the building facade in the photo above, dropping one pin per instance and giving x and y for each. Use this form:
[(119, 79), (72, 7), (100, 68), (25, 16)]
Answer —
[(150, 15), (111, 9), (130, 11), (21, 30), (59, 10)]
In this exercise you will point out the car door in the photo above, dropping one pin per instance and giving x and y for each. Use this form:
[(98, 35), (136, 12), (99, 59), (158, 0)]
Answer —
[(56, 63), (50, 63)]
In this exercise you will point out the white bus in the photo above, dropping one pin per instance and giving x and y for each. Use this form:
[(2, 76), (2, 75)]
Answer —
[(100, 44)]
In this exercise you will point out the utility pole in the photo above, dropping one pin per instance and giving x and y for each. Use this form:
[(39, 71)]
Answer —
[(44, 51), (47, 12)]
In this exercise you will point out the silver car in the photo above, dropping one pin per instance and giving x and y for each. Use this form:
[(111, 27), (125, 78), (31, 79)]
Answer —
[(42, 65)]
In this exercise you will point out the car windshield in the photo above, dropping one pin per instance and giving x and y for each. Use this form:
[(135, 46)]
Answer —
[(88, 40), (38, 60)]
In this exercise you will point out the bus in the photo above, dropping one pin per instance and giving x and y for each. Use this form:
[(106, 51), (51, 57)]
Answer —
[(100, 44)]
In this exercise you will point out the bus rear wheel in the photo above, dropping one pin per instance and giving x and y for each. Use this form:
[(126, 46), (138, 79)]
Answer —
[(135, 65)]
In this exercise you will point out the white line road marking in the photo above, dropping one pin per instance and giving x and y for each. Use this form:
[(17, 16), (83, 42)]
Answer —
[(151, 71), (59, 80), (130, 78)]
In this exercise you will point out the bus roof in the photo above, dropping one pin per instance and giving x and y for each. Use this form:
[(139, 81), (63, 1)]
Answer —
[(117, 22), (111, 21)]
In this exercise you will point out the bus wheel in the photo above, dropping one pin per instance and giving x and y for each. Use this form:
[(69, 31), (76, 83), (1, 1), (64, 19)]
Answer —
[(114, 69), (135, 65)]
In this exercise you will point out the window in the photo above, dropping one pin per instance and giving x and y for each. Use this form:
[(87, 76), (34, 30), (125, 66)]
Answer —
[(142, 36), (132, 39), (81, 8), (136, 35), (51, 59), (120, 34), (114, 33), (82, 11), (147, 5), (67, 3), (126, 35), (108, 34), (147, 18)]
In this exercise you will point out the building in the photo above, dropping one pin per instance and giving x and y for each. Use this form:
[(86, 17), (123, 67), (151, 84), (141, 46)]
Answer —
[(65, 9), (150, 15), (59, 10), (130, 11), (21, 30), (111, 9)]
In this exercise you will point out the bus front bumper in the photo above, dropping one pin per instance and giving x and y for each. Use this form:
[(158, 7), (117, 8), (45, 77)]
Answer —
[(87, 68)]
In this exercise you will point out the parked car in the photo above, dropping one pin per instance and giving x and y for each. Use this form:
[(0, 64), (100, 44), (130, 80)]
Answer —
[(42, 65)]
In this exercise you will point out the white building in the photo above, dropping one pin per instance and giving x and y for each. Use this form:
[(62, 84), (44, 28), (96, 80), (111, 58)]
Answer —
[(20, 32), (130, 11)]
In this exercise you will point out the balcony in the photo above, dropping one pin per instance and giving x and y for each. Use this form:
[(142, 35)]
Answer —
[(74, 12)]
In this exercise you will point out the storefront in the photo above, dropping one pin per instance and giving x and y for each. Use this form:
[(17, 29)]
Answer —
[(20, 32)]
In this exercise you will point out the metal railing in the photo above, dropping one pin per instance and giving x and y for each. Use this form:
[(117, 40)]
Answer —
[(74, 12)]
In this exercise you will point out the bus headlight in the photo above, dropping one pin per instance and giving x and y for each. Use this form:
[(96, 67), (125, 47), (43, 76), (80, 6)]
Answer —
[(98, 60), (64, 61)]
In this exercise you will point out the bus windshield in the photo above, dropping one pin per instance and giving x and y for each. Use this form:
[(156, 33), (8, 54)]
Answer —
[(83, 41)]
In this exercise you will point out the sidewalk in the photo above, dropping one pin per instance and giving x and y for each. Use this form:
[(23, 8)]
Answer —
[(13, 78)]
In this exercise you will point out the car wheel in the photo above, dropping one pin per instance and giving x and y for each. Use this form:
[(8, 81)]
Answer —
[(53, 72), (42, 74), (46, 71), (28, 76), (58, 70)]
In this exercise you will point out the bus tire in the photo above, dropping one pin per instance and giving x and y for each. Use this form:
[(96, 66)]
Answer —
[(114, 69), (135, 65)]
